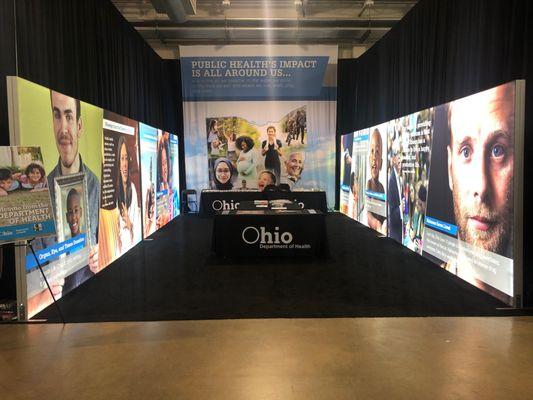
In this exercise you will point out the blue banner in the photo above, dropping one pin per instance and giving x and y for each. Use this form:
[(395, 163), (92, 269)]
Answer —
[(53, 252), (360, 138), (441, 226), (16, 232), (376, 195), (255, 78), (148, 133)]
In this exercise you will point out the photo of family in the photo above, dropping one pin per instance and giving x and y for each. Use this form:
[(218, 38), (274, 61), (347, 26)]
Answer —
[(24, 196), (244, 156)]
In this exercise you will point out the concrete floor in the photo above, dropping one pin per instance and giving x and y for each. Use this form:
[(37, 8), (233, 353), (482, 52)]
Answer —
[(364, 358)]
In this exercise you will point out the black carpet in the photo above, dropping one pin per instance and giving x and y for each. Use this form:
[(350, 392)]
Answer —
[(175, 276)]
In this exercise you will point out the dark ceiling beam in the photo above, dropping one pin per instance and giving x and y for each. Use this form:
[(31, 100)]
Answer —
[(260, 34), (197, 23), (260, 41), (176, 32), (177, 10)]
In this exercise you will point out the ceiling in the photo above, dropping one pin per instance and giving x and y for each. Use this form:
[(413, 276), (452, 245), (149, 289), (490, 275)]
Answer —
[(353, 25)]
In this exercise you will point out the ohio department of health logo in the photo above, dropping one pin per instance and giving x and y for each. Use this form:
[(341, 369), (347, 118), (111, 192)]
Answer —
[(253, 235), (219, 205)]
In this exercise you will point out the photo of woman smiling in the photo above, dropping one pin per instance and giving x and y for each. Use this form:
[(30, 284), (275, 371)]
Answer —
[(127, 204), (223, 174)]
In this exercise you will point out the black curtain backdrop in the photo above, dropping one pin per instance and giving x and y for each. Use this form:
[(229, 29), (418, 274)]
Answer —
[(7, 67), (346, 117), (440, 51), (86, 49)]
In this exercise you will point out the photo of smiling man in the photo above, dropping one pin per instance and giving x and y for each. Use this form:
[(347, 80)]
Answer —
[(67, 129), (474, 237), (375, 192), (294, 166), (69, 133)]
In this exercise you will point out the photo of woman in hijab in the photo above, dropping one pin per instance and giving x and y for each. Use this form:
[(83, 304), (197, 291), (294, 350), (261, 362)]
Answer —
[(223, 174)]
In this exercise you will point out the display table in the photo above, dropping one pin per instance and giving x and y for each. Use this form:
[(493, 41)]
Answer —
[(266, 233), (212, 201)]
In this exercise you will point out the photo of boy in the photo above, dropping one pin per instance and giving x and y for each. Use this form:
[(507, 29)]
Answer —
[(8, 183), (71, 209), (74, 212)]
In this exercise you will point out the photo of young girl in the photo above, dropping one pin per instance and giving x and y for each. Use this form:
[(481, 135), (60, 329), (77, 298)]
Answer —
[(34, 177)]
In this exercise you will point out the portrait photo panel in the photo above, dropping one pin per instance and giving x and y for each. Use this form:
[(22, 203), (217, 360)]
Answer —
[(69, 133), (470, 221), (120, 213), (148, 151), (409, 153), (175, 177), (376, 179), (440, 181), (346, 169)]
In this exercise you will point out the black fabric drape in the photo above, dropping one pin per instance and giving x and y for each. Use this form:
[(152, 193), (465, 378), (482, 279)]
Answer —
[(7, 67), (346, 118), (88, 50), (7, 62), (172, 98), (346, 95), (440, 51)]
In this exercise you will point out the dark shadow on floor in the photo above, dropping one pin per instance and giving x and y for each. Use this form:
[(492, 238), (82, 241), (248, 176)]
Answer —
[(175, 276)]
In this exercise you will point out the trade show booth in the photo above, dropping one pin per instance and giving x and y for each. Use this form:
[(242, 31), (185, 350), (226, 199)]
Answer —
[(299, 160)]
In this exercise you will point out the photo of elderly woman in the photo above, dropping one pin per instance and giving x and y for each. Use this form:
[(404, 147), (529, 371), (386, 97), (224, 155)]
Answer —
[(223, 174), (247, 161)]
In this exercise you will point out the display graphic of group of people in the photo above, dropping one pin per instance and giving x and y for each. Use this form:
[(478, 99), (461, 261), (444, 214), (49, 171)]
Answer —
[(97, 220), (461, 215), (243, 156)]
